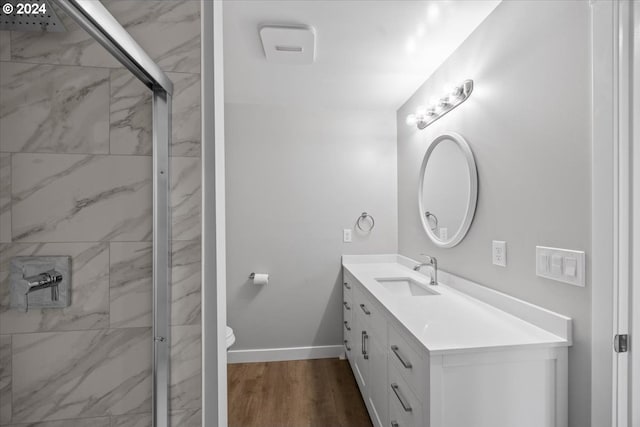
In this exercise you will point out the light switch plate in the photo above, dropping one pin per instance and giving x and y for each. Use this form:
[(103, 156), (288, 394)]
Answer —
[(347, 235), (499, 253), (562, 265)]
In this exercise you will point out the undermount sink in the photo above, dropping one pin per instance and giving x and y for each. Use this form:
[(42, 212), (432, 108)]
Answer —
[(406, 287)]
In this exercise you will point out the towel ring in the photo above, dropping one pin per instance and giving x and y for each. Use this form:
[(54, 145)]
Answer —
[(428, 215), (363, 217)]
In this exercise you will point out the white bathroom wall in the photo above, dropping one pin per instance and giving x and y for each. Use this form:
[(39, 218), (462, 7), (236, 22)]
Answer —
[(528, 124), (295, 179)]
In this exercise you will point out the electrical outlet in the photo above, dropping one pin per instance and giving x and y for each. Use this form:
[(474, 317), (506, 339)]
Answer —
[(499, 253), (347, 235)]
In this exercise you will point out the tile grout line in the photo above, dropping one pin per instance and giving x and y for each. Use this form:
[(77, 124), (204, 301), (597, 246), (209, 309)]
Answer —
[(48, 153), (96, 67), (28, 242), (61, 331)]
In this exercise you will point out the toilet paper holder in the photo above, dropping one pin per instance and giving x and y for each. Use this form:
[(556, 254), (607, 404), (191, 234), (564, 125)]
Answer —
[(259, 278)]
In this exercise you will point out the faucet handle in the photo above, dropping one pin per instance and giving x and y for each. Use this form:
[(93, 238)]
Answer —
[(431, 259)]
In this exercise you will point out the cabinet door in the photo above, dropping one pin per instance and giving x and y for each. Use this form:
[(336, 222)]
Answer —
[(377, 385), (360, 366)]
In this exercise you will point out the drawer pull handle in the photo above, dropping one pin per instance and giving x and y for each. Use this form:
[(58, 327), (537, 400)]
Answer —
[(396, 390), (346, 305), (364, 308), (394, 424), (365, 337), (396, 351), (346, 345), (346, 285), (346, 325)]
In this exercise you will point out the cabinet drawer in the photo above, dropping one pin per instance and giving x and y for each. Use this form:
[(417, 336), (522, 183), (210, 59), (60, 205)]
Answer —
[(405, 409), (348, 282), (347, 308), (372, 316), (347, 326), (348, 345), (347, 334), (407, 360)]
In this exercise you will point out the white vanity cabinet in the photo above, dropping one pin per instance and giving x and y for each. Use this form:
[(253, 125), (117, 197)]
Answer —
[(509, 381)]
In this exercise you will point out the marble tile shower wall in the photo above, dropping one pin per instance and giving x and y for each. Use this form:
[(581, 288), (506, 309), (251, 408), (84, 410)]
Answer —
[(75, 179)]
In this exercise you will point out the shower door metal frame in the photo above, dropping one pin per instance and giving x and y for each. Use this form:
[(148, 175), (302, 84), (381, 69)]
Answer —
[(104, 28)]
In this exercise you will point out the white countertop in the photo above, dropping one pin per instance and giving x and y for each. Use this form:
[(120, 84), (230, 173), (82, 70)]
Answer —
[(451, 322)]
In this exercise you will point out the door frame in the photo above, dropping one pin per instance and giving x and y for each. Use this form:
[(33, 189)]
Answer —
[(214, 284), (635, 250), (611, 44)]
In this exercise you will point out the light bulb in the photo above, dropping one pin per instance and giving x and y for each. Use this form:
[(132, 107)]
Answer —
[(441, 105), (412, 120), (455, 94)]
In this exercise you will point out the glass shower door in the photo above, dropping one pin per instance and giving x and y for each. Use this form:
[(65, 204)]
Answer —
[(77, 170)]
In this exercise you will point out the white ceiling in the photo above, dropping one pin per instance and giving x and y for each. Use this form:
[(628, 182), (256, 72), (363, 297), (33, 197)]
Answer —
[(369, 54)]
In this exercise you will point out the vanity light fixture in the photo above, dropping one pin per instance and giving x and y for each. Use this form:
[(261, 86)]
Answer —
[(437, 108)]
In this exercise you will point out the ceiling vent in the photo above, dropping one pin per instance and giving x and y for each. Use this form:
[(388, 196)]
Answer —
[(289, 44)]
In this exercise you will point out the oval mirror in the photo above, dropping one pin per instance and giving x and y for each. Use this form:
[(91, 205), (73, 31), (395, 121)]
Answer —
[(448, 189)]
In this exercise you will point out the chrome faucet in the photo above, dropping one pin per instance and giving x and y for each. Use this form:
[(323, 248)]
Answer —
[(433, 263), (47, 280)]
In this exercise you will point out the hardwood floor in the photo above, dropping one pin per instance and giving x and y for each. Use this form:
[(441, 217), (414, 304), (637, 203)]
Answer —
[(318, 393)]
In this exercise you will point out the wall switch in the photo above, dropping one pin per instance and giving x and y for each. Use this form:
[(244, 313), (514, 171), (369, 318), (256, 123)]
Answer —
[(346, 235), (563, 265), (544, 263), (499, 253), (556, 264), (570, 266)]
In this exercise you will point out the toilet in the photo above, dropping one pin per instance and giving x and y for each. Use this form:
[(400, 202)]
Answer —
[(231, 338)]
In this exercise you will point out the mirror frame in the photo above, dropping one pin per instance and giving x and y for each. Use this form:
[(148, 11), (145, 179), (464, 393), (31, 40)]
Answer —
[(473, 190)]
